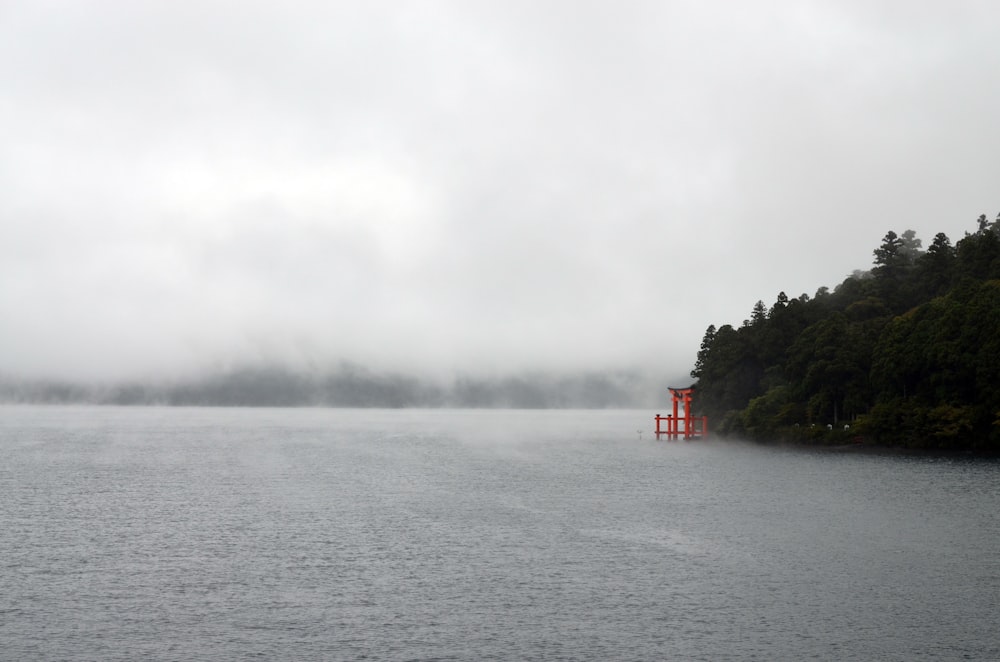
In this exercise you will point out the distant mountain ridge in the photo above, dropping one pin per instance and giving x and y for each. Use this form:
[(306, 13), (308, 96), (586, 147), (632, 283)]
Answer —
[(353, 386)]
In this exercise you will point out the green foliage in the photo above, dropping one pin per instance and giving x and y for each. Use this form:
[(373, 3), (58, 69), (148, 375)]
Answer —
[(907, 354)]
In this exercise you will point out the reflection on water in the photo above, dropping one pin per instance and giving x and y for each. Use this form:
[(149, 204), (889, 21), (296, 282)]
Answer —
[(350, 534)]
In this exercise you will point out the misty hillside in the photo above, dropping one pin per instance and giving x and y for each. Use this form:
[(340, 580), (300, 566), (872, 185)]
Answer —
[(351, 386), (907, 353)]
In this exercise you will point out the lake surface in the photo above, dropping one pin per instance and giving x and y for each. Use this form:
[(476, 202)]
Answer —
[(324, 534)]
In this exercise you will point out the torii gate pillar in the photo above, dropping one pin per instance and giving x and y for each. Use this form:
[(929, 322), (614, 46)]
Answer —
[(693, 427)]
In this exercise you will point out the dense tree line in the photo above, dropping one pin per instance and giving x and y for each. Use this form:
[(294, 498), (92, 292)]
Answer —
[(907, 353)]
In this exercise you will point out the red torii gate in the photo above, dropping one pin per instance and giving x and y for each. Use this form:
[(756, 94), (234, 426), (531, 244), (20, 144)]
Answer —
[(693, 428)]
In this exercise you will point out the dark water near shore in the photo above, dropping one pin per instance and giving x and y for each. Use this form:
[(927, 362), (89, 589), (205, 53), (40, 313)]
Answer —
[(312, 534)]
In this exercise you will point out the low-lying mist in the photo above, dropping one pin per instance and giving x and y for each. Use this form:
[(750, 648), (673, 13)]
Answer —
[(352, 386)]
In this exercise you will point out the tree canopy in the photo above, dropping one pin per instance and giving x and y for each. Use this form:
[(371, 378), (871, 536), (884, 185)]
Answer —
[(906, 354)]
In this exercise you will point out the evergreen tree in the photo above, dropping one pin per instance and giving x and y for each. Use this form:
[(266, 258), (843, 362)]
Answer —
[(703, 352), (935, 268)]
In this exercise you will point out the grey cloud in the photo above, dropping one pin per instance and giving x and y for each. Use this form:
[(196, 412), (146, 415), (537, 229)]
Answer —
[(456, 185)]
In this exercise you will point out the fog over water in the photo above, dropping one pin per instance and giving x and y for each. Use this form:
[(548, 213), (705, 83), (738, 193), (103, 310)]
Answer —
[(334, 534), (448, 188)]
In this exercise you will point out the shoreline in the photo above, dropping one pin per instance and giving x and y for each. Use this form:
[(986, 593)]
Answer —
[(866, 448)]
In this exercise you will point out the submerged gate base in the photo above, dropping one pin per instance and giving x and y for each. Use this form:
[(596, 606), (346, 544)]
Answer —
[(678, 427)]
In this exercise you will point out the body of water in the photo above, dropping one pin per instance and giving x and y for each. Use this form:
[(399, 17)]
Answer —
[(324, 534)]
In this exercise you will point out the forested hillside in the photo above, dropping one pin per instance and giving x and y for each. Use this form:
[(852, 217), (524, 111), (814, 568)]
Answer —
[(907, 353)]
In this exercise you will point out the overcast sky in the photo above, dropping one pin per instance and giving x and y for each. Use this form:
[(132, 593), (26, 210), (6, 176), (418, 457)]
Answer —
[(465, 186)]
